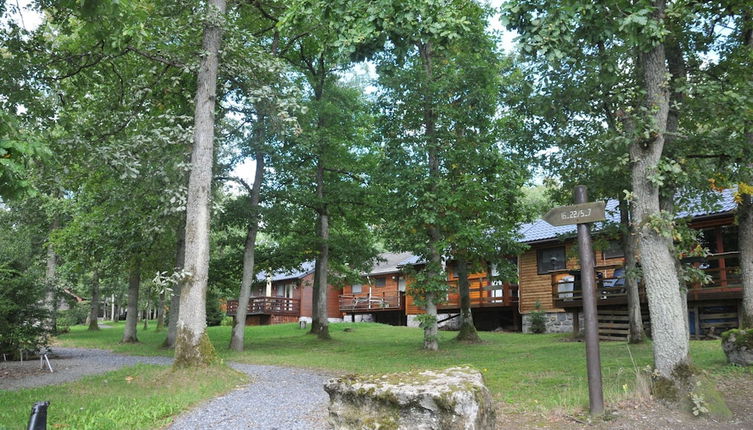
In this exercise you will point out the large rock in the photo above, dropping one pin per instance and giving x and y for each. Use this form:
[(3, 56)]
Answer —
[(738, 346), (450, 399)]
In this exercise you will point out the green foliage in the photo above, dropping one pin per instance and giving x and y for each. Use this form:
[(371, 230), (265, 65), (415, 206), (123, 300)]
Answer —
[(214, 314), (538, 319), (24, 321), (77, 314), (18, 153)]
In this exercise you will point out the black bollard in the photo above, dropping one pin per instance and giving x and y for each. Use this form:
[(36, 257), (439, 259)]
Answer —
[(38, 418)]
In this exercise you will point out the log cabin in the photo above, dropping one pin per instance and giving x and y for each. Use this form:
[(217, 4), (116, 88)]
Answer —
[(549, 275), (285, 296)]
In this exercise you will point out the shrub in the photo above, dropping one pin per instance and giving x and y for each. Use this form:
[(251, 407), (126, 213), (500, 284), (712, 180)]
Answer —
[(214, 314), (77, 314), (227, 321), (24, 321), (538, 319)]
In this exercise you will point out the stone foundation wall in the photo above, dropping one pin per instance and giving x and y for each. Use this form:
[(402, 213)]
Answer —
[(556, 322)]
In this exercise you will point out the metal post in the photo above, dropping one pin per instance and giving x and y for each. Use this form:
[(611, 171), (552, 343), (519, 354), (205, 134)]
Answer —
[(38, 417), (588, 285)]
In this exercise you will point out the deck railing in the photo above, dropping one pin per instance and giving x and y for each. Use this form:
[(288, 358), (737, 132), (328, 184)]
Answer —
[(370, 301), (268, 306), (723, 269), (482, 294)]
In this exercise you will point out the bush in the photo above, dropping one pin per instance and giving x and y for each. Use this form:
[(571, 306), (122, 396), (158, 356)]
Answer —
[(24, 321), (227, 321), (538, 319), (77, 314), (214, 314)]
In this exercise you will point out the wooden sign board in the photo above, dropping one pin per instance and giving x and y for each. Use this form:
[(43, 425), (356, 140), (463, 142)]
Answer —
[(576, 214)]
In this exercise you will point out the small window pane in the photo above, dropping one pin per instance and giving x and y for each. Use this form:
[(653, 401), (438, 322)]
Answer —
[(551, 259), (356, 289), (613, 250), (380, 282)]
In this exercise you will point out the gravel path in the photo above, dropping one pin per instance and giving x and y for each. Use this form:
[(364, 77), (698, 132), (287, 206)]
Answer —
[(277, 397), (69, 364)]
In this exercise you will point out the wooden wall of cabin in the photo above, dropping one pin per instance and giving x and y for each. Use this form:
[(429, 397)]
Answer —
[(538, 287), (476, 280), (390, 286), (305, 292)]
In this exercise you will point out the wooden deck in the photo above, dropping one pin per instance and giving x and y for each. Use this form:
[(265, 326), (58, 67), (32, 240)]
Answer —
[(371, 302), (483, 295), (268, 306), (724, 276)]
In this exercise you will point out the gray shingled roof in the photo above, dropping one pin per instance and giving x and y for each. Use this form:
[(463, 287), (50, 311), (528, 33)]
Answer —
[(281, 275), (389, 262), (541, 230)]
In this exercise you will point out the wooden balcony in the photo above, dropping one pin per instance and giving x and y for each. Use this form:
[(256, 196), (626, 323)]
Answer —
[(268, 306), (371, 302), (723, 270), (483, 295)]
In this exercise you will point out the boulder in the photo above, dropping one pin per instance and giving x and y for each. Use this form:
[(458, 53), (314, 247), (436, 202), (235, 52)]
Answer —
[(450, 399), (738, 346)]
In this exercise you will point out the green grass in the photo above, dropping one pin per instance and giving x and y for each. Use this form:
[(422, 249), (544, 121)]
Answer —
[(530, 372), (138, 397)]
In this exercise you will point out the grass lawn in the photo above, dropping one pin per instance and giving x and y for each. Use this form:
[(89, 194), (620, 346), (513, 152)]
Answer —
[(530, 372), (137, 397)]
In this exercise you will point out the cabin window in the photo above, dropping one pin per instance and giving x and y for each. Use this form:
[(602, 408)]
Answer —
[(613, 250), (380, 282), (729, 238), (401, 284), (356, 289), (551, 259)]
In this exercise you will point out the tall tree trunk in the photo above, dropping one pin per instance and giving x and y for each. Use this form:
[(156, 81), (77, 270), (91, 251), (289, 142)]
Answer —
[(745, 233), (435, 262), (670, 344), (630, 249), (51, 298), (321, 281), (94, 310), (467, 331), (192, 345), (745, 210), (172, 318), (132, 311), (667, 205), (314, 295), (160, 311), (237, 338)]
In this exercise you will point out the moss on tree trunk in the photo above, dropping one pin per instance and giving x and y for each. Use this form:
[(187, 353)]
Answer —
[(192, 352)]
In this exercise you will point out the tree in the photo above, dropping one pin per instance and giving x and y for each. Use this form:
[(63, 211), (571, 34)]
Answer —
[(434, 139), (192, 347)]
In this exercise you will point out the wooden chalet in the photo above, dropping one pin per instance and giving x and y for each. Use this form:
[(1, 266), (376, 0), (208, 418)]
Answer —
[(382, 296), (284, 297), (549, 275)]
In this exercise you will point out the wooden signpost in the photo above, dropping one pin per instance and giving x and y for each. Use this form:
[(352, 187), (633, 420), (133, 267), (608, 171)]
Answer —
[(576, 214), (583, 213)]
